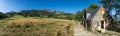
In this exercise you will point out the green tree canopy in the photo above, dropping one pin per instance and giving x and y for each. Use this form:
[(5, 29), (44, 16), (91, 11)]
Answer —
[(111, 4), (92, 6), (2, 15), (79, 15)]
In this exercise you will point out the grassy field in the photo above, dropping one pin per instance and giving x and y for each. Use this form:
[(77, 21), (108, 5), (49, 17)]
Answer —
[(35, 27)]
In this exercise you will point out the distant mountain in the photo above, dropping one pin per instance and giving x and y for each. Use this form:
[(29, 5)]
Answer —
[(44, 14)]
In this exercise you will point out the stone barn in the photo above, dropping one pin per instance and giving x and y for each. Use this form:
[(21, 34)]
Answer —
[(96, 19)]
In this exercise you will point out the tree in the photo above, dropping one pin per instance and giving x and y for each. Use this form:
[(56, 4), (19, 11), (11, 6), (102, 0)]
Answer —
[(111, 4), (92, 6), (79, 15), (2, 15)]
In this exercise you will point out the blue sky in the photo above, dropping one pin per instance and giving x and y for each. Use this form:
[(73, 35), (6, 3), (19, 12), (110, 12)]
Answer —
[(69, 6)]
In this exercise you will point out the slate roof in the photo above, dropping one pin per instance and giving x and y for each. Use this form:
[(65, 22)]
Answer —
[(92, 12)]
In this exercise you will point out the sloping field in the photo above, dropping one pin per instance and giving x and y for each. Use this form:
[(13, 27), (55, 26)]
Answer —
[(35, 27), (45, 27)]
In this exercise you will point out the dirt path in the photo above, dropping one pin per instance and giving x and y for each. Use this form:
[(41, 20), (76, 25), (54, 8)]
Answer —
[(80, 31)]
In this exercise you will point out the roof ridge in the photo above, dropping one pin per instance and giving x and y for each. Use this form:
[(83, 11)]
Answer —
[(93, 9)]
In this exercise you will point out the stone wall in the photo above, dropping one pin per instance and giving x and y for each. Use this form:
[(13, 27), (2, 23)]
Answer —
[(96, 19)]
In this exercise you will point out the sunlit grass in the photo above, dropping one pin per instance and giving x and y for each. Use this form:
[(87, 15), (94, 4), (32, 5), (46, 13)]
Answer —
[(35, 27)]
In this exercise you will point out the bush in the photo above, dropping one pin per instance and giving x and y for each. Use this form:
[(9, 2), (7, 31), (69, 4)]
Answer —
[(2, 15)]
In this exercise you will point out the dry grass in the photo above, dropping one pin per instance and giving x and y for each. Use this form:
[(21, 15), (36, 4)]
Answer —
[(38, 21), (35, 27)]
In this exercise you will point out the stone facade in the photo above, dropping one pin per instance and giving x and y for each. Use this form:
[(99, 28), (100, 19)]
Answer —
[(97, 18)]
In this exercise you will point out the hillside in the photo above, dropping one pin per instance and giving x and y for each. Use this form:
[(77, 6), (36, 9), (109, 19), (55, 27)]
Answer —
[(46, 27), (35, 27), (42, 14)]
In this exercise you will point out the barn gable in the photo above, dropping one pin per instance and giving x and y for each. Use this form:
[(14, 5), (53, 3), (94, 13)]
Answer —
[(96, 18)]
